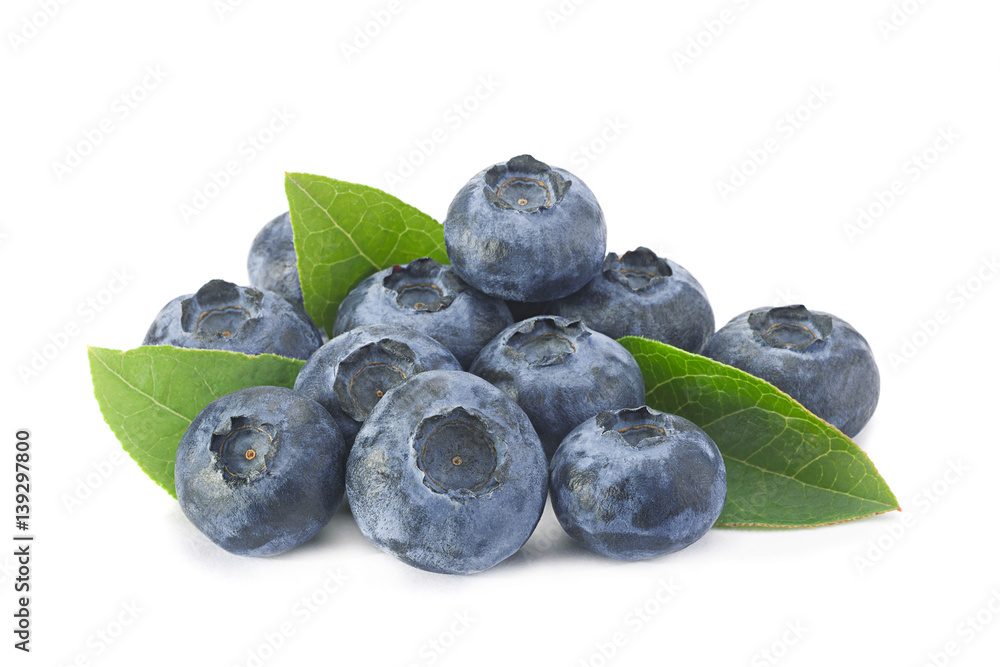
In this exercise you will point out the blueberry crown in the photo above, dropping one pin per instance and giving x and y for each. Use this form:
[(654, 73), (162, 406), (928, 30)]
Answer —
[(458, 451), (220, 309), (636, 427), (791, 327), (524, 184), (366, 374), (546, 340), (423, 285), (243, 447), (638, 269)]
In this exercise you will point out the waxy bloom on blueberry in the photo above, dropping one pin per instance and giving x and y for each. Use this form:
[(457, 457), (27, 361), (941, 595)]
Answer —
[(637, 483), (224, 316), (560, 372), (430, 298), (447, 474), (640, 294), (352, 372), (261, 470), (524, 231), (818, 359), (272, 263)]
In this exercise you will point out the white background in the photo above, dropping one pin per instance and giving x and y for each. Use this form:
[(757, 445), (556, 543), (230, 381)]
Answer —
[(113, 548)]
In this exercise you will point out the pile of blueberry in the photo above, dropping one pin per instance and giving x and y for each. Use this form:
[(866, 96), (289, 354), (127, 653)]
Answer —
[(452, 399)]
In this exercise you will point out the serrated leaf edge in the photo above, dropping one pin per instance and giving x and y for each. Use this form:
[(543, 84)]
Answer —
[(743, 376)]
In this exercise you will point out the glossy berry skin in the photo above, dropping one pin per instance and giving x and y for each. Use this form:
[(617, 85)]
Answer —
[(224, 316), (639, 483), (447, 474), (816, 358), (261, 470), (352, 372), (430, 298), (525, 231), (272, 263), (640, 294), (561, 373)]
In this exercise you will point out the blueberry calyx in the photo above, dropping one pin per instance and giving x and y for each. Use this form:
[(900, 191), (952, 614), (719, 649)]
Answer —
[(220, 309), (423, 285), (524, 184), (545, 341), (242, 447), (635, 427), (458, 452), (365, 375), (791, 327), (639, 269)]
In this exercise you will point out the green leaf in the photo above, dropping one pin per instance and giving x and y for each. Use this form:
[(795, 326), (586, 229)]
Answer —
[(344, 232), (786, 467), (150, 395)]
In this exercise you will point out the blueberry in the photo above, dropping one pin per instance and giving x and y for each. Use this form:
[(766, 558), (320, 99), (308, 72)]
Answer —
[(525, 231), (430, 298), (447, 474), (352, 372), (272, 264), (261, 470), (224, 316), (818, 359), (561, 373), (638, 483), (640, 294)]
